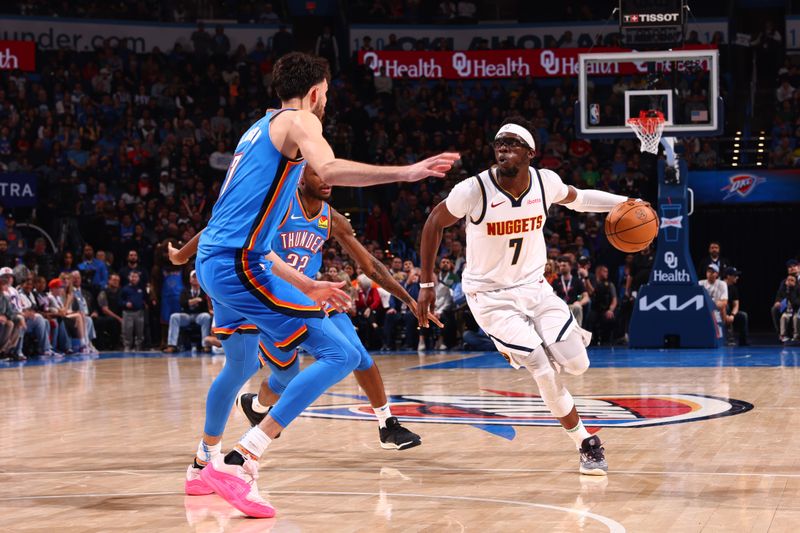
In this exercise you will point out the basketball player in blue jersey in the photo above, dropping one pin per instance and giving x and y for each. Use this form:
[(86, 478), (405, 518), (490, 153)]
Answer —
[(308, 223), (252, 294)]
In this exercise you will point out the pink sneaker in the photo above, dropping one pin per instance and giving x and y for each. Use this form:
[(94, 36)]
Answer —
[(195, 486), (237, 485)]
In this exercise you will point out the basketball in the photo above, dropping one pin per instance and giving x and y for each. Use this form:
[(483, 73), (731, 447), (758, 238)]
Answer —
[(631, 226)]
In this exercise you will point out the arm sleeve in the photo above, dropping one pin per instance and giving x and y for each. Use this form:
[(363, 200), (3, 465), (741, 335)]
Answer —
[(464, 198), (594, 201)]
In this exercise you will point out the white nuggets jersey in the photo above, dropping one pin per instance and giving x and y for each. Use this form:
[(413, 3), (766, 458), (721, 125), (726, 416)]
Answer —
[(505, 239)]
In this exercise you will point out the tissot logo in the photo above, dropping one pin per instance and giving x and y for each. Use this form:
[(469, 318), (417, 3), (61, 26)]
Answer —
[(506, 408), (649, 18)]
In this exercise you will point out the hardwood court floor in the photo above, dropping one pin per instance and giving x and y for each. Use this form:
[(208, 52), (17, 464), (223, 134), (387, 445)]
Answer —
[(103, 444)]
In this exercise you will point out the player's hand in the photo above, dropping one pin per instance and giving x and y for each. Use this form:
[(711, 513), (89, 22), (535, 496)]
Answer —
[(432, 317), (174, 255), (327, 292), (425, 301), (436, 166)]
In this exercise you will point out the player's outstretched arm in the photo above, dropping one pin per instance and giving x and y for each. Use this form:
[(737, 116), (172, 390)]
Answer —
[(439, 219), (591, 200), (342, 231), (321, 292), (182, 256), (306, 133)]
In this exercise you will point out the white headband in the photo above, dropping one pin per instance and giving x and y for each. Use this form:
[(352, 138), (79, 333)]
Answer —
[(518, 130)]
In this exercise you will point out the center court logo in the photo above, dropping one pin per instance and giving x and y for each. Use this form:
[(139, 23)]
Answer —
[(506, 408)]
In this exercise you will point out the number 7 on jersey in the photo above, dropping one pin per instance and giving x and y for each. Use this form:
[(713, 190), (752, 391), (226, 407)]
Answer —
[(516, 244)]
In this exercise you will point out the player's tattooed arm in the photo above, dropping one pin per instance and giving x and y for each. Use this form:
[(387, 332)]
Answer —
[(182, 256), (342, 231)]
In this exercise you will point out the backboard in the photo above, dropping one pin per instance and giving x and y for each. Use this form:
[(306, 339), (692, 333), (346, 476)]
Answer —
[(682, 84)]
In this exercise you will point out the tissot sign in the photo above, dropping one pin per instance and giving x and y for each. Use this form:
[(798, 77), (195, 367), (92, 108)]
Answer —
[(17, 55)]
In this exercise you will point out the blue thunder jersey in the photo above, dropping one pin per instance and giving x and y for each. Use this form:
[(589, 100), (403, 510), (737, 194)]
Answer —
[(300, 237), (254, 196)]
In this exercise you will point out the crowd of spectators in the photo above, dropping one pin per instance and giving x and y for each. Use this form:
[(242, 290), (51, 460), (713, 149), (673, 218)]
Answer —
[(246, 11), (784, 150), (130, 152)]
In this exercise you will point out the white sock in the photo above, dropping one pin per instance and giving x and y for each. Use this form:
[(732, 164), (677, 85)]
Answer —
[(382, 413), (207, 453), (578, 433), (257, 407), (255, 441)]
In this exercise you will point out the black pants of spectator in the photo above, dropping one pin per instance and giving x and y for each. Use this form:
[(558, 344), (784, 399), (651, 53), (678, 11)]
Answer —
[(109, 333), (741, 328), (776, 318), (368, 330), (624, 315), (603, 329), (391, 321), (450, 332)]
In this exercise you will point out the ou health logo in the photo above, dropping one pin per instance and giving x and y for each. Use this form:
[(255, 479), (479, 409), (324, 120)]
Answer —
[(742, 184), (499, 411)]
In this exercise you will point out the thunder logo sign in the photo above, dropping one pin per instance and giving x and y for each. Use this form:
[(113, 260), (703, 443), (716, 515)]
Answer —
[(498, 411)]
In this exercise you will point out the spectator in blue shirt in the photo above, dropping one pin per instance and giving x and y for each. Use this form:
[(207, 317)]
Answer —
[(93, 267), (132, 301)]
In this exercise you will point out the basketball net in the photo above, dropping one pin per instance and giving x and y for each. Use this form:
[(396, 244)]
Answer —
[(648, 126)]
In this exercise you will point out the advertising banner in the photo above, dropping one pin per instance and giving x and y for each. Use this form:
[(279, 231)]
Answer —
[(793, 33), (17, 189), (584, 34), (18, 55), (488, 64), (672, 310), (745, 186), (140, 37)]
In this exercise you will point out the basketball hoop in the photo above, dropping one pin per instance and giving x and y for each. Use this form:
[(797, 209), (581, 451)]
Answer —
[(648, 126)]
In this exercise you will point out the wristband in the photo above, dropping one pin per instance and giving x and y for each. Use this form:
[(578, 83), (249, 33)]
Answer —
[(428, 285)]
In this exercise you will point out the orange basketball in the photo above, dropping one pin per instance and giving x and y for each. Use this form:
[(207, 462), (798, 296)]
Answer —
[(631, 226)]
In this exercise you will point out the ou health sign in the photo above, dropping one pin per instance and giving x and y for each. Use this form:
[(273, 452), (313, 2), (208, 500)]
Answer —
[(745, 186), (18, 55)]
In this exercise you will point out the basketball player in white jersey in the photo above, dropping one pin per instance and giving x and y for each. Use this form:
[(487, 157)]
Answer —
[(506, 209)]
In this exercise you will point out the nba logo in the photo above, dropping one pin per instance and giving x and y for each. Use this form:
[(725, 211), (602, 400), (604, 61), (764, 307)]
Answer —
[(594, 114)]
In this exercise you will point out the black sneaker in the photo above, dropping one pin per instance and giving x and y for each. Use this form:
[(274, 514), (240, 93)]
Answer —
[(593, 460), (396, 437), (245, 404)]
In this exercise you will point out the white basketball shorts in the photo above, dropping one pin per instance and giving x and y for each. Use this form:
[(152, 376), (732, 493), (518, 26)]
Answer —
[(519, 319)]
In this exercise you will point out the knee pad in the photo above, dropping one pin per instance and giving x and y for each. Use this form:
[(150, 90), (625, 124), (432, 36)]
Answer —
[(366, 362), (570, 353), (279, 379), (553, 393)]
